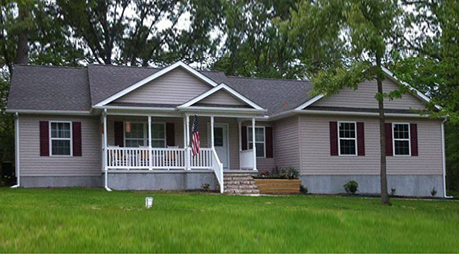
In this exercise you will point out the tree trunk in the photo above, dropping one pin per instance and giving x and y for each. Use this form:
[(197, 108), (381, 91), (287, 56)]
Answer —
[(382, 138), (22, 50)]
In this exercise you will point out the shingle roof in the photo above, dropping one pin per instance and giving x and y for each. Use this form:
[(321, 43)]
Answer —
[(49, 88), (62, 88)]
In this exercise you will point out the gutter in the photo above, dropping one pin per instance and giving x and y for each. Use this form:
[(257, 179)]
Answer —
[(16, 138)]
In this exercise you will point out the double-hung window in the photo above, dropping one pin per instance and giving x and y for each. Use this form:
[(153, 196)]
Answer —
[(61, 138), (137, 135), (347, 136), (401, 134), (259, 141)]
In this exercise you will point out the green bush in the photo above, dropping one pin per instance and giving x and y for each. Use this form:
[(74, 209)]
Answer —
[(289, 173), (304, 189), (351, 187)]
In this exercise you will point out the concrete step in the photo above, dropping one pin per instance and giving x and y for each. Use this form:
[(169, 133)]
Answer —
[(240, 184)]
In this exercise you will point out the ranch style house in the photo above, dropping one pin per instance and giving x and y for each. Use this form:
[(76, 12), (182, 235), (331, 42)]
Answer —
[(130, 128)]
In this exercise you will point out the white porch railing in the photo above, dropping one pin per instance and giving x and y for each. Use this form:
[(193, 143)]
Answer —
[(217, 167), (202, 160), (139, 158), (246, 159)]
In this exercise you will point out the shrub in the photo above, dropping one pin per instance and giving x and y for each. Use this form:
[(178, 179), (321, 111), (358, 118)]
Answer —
[(303, 189), (289, 173), (351, 187), (205, 186), (392, 192), (433, 192)]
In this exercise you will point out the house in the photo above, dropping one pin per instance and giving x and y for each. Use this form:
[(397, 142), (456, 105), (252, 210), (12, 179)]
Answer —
[(129, 128)]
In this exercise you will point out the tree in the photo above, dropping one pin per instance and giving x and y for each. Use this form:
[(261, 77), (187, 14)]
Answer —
[(431, 64), (254, 45), (141, 32), (364, 31)]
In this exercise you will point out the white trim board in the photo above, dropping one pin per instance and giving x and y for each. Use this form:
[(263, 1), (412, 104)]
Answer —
[(216, 89), (153, 77)]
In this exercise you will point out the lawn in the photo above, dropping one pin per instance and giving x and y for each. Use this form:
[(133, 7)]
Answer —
[(93, 220)]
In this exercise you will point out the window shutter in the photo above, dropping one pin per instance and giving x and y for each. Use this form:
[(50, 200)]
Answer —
[(44, 138), (119, 134), (389, 147), (414, 139), (269, 142), (360, 139), (333, 138), (244, 137), (76, 138), (170, 132)]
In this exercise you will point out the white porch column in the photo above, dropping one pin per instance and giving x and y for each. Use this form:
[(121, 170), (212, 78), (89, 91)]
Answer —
[(212, 132), (254, 145), (105, 150), (239, 123), (187, 151), (150, 157)]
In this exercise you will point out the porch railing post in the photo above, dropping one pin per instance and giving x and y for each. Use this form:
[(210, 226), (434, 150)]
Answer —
[(254, 145), (150, 157), (187, 146), (212, 132), (105, 150)]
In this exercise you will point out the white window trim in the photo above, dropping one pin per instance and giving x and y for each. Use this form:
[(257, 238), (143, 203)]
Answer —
[(339, 139), (401, 139), (51, 139), (145, 133), (262, 142)]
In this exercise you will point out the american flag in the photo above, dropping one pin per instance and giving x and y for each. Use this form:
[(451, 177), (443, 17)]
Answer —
[(195, 133)]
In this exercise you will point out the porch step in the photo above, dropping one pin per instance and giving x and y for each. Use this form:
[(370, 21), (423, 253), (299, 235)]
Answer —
[(240, 184)]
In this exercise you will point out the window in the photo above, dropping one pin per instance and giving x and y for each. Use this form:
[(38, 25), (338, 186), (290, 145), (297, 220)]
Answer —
[(347, 137), (259, 140), (61, 138), (138, 135), (401, 134), (158, 135)]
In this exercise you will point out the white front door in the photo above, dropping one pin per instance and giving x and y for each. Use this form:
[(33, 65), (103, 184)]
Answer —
[(221, 143)]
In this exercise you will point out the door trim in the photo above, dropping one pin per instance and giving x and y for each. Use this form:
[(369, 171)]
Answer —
[(209, 142)]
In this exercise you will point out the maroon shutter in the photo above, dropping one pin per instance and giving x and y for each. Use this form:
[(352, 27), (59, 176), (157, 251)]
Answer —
[(170, 134), (119, 134), (269, 142), (76, 138), (44, 138), (414, 139), (244, 137), (333, 138), (389, 147), (360, 139)]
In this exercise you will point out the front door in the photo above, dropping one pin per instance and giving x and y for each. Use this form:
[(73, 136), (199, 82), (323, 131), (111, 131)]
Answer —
[(221, 143)]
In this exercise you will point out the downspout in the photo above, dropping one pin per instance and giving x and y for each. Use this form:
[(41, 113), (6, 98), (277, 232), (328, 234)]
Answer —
[(16, 139), (443, 156)]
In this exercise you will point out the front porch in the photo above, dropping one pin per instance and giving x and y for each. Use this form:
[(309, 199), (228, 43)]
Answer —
[(153, 150)]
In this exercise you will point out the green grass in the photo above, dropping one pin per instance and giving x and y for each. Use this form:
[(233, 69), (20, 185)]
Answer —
[(93, 220)]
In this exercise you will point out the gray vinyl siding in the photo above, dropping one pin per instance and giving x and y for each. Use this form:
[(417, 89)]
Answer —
[(364, 97), (286, 143), (316, 158), (175, 87), (222, 97), (32, 164), (203, 123)]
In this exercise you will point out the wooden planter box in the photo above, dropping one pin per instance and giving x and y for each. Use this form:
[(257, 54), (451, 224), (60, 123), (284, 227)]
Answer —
[(278, 186)]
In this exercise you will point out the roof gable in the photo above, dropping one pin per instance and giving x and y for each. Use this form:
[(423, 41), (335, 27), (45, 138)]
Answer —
[(363, 97), (154, 76), (222, 95), (174, 88)]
